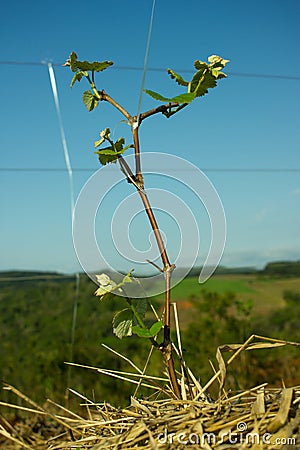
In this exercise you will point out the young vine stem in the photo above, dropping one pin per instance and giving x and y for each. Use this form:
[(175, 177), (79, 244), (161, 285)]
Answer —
[(137, 180)]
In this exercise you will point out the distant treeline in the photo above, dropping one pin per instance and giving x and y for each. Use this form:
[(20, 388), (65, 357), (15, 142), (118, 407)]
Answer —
[(274, 269), (282, 269)]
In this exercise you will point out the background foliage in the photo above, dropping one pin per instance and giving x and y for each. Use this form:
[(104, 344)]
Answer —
[(36, 321)]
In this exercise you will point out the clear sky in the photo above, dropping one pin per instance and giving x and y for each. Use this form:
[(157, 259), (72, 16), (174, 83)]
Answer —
[(244, 135)]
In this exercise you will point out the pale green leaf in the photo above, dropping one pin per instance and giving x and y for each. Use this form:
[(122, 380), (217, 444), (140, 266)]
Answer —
[(128, 277), (217, 61), (106, 287), (105, 135), (122, 323), (90, 101), (217, 74)]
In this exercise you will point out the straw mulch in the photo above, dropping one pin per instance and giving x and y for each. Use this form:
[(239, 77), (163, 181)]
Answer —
[(259, 418)]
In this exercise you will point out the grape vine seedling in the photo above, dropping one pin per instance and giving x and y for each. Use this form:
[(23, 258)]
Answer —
[(131, 320)]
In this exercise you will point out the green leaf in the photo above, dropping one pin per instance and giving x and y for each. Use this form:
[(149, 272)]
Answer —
[(72, 62), (156, 327), (201, 82), (108, 151), (141, 332), (204, 79), (107, 159), (178, 78), (217, 74), (78, 76), (200, 65), (145, 332), (183, 98), (105, 136), (187, 97), (86, 65), (156, 96), (108, 155), (128, 277), (141, 305), (122, 323), (95, 66), (90, 100)]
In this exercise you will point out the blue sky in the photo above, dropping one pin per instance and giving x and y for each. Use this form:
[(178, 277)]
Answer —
[(244, 134)]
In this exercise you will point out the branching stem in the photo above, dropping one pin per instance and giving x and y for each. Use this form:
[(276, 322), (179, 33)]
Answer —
[(137, 179)]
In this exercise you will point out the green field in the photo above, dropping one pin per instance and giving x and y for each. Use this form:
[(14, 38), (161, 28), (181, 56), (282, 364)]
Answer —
[(266, 293)]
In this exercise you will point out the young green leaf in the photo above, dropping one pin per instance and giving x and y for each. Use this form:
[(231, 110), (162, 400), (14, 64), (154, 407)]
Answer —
[(201, 82), (90, 100), (141, 332), (183, 98), (203, 79), (110, 154), (122, 323), (141, 305), (128, 277), (105, 136), (145, 332), (178, 78), (200, 65), (188, 97), (106, 287), (95, 66), (156, 327), (72, 62), (78, 76)]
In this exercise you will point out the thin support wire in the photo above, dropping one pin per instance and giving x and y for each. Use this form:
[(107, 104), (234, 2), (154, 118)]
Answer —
[(146, 61), (72, 206)]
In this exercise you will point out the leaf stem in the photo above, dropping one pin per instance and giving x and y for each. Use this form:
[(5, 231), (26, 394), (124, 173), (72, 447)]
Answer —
[(137, 315)]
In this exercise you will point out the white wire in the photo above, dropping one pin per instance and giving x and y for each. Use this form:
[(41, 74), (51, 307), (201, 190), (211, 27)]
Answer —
[(63, 136), (146, 60), (72, 202)]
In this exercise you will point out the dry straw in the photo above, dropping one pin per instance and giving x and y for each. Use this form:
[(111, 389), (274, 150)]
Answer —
[(258, 418)]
